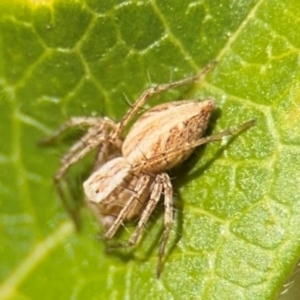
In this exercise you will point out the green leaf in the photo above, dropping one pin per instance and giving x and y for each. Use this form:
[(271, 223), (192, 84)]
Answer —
[(236, 233)]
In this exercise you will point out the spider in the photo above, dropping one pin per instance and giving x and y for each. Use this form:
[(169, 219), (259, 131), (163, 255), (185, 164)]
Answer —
[(130, 174)]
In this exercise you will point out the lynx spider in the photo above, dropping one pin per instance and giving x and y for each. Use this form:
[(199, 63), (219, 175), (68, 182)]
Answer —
[(130, 175)]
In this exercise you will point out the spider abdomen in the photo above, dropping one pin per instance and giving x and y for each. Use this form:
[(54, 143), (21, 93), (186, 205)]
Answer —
[(163, 128)]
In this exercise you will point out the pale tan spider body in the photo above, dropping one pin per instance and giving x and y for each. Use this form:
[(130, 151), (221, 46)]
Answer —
[(129, 176), (164, 127)]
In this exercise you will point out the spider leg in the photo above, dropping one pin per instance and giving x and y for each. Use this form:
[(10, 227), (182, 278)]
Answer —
[(168, 220), (141, 186), (99, 130), (71, 159), (157, 160), (73, 212), (151, 204), (162, 183), (106, 152), (80, 144), (157, 90), (66, 163), (78, 121)]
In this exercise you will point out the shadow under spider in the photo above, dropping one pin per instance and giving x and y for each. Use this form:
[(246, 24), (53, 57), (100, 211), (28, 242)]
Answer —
[(183, 174)]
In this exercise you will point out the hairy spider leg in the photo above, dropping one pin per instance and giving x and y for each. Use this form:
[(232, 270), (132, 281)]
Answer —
[(74, 122), (141, 186), (162, 184), (168, 220), (157, 90), (142, 165), (98, 129)]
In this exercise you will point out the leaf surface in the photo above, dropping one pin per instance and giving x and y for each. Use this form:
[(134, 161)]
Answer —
[(236, 232)]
